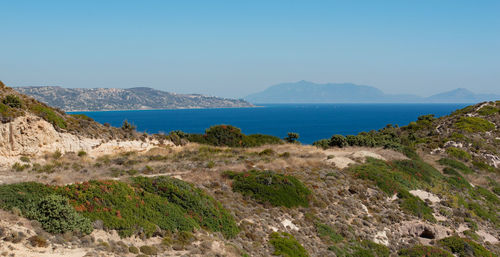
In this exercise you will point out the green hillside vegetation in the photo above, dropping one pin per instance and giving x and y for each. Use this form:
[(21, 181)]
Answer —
[(131, 209), (271, 187)]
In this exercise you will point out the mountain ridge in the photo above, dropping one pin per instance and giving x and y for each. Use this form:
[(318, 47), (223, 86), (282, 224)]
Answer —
[(309, 92)]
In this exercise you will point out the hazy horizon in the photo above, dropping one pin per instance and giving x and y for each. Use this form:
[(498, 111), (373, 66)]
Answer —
[(233, 49)]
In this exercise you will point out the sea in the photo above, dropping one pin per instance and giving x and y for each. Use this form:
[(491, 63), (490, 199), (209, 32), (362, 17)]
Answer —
[(311, 121)]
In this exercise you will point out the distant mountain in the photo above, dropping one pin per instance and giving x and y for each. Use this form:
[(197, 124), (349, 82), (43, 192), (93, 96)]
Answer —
[(309, 92), (139, 98)]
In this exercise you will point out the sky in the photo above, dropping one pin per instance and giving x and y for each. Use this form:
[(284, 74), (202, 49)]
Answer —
[(235, 48)]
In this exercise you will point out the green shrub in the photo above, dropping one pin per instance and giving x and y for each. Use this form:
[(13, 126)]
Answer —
[(424, 251), (415, 206), (483, 166), (49, 115), (464, 247), (127, 126), (326, 232), (205, 210), (458, 153), (12, 101), (82, 153), (338, 141), (456, 165), (474, 124), (267, 152), (364, 248), (269, 186), (488, 110), (56, 215), (286, 245), (133, 249), (82, 117), (255, 140), (399, 178), (25, 159), (322, 143), (292, 137), (149, 250), (20, 167)]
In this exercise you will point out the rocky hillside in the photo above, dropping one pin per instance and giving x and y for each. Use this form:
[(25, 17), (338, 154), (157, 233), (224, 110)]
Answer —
[(31, 128), (139, 98), (427, 189)]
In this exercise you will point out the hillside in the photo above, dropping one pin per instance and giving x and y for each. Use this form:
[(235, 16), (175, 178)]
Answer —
[(427, 189), (309, 92), (139, 98), (32, 128)]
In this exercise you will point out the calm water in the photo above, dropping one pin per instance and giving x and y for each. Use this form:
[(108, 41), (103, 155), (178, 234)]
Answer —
[(311, 121)]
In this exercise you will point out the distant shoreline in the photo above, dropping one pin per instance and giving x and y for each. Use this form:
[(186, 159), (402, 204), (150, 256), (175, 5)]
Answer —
[(162, 109)]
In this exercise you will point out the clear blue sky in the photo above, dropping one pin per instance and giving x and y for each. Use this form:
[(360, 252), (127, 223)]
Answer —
[(233, 48)]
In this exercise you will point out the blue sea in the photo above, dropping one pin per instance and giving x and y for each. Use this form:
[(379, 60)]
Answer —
[(311, 121)]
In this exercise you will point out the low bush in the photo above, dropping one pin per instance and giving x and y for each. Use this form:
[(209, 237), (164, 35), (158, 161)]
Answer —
[(328, 233), (205, 210), (12, 101), (488, 110), (286, 245), (464, 247), (269, 186), (364, 248), (56, 215), (456, 165), (149, 250), (82, 117), (458, 153), (400, 177), (49, 115), (291, 137), (424, 251), (474, 124), (338, 141), (483, 166), (255, 140)]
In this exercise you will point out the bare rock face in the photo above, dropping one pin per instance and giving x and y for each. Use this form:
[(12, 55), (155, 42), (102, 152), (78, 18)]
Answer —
[(30, 135)]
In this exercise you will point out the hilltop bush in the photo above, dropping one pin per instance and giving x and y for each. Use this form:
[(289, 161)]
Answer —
[(269, 186), (82, 117), (338, 141), (488, 110), (291, 137), (205, 210), (49, 115), (286, 245), (12, 101), (255, 140), (227, 135), (474, 124)]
